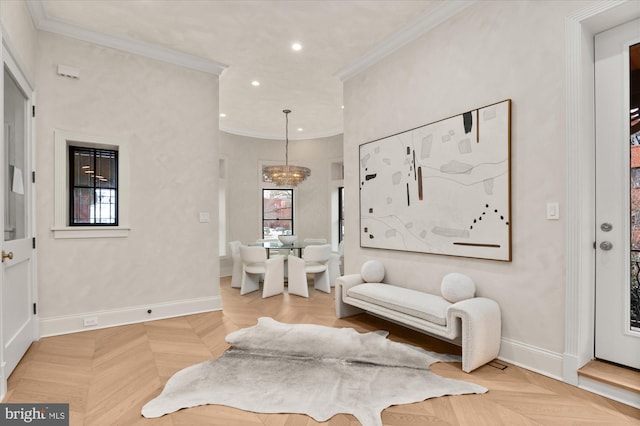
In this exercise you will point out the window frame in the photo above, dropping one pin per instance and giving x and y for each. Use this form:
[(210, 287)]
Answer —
[(223, 227), (61, 228), (340, 213), (292, 207), (72, 150)]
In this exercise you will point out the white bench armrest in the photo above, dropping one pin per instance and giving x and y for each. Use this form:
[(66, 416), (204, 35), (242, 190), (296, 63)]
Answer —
[(343, 284), (481, 330), (348, 281)]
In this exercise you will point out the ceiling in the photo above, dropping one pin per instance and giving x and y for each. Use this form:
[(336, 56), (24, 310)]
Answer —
[(251, 40)]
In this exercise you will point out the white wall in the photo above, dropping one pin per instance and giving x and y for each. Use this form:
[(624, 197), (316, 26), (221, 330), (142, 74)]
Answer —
[(168, 115), (312, 210), (490, 52), (18, 26)]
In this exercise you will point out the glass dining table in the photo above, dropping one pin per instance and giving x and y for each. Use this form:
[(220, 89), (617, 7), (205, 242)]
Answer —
[(277, 245)]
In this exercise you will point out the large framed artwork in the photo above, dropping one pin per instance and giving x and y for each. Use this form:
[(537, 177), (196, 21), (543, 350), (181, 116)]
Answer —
[(442, 188)]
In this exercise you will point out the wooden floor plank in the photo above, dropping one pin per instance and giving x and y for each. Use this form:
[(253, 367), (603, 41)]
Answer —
[(108, 375), (611, 374)]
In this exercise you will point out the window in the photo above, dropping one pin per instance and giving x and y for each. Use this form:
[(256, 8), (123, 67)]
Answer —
[(277, 212), (93, 191), (85, 206), (340, 213), (634, 288)]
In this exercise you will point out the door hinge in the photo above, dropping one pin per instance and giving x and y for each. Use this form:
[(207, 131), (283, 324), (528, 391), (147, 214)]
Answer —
[(33, 177), (34, 243), (33, 111), (35, 309)]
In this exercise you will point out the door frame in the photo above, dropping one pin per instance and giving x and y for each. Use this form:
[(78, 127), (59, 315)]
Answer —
[(19, 71), (580, 28), (614, 339)]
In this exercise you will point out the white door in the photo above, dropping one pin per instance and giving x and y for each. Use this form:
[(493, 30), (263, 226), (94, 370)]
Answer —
[(617, 310), (18, 318)]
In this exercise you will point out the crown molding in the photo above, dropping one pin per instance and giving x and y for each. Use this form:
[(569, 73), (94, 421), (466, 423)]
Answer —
[(277, 137), (426, 22), (44, 22)]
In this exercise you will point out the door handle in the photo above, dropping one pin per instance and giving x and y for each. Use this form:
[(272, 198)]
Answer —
[(7, 255), (606, 245)]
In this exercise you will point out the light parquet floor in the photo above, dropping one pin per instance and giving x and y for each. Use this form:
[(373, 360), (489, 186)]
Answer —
[(108, 375)]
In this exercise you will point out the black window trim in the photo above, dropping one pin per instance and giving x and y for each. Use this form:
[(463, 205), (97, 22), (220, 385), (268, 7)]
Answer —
[(292, 208), (340, 212), (71, 150)]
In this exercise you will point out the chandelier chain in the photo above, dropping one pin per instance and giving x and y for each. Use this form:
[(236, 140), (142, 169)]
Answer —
[(286, 175), (286, 136)]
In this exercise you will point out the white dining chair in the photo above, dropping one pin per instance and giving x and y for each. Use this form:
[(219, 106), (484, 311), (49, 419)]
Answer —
[(236, 271), (273, 253), (314, 261), (297, 276), (273, 277), (255, 265), (316, 258)]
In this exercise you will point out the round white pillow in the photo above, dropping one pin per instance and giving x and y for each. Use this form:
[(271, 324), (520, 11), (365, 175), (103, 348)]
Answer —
[(456, 287), (372, 271)]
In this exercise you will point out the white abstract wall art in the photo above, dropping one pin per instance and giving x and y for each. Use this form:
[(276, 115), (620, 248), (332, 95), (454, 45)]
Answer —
[(442, 188)]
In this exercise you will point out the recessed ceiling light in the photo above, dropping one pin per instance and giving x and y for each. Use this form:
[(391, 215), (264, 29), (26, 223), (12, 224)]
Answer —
[(255, 83), (296, 46), (222, 114), (342, 107), (300, 129)]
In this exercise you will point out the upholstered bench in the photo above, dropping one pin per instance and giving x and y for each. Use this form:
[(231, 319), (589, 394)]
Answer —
[(456, 315)]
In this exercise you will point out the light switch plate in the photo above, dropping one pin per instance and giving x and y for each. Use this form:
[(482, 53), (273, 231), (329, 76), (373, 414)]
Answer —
[(204, 217), (553, 211)]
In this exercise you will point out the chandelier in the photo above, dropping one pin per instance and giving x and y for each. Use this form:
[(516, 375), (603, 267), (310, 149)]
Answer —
[(286, 175)]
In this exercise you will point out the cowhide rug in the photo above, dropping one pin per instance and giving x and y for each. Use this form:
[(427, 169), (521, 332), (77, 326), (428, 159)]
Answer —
[(310, 369)]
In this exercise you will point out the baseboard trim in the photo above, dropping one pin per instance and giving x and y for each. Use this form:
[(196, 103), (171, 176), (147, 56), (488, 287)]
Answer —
[(54, 326), (570, 366), (551, 364), (532, 358)]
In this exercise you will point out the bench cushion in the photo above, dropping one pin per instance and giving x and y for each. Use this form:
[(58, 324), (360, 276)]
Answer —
[(411, 302), (372, 271), (456, 287)]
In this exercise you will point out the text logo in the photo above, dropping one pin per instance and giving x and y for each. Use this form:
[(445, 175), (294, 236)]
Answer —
[(34, 414)]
